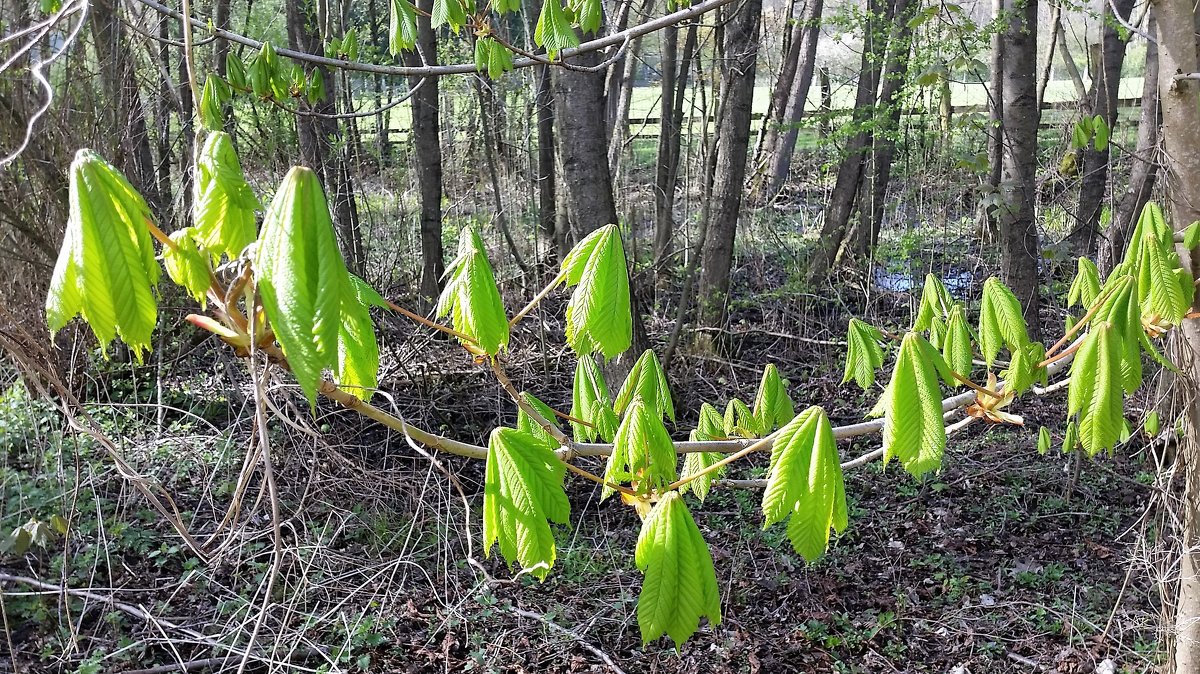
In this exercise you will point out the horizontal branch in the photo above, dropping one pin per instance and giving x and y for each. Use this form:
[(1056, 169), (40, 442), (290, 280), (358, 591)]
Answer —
[(614, 39)]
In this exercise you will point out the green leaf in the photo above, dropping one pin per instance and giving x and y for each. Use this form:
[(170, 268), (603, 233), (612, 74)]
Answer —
[(805, 483), (472, 297), (554, 31), (402, 27), (1101, 133), (527, 424), (1086, 286), (357, 367), (1152, 424), (589, 14), (314, 88), (224, 203), (213, 97), (697, 462), (1022, 370), (106, 269), (235, 72), (367, 295), (740, 422), (599, 317), (1043, 444), (1165, 288), (303, 280), (1191, 236), (522, 493), (448, 12), (711, 425), (935, 302), (1070, 437), (773, 407), (187, 266), (680, 585), (1000, 321), (863, 353), (350, 44), (957, 346), (591, 402), (642, 451), (646, 382), (1095, 392), (913, 429)]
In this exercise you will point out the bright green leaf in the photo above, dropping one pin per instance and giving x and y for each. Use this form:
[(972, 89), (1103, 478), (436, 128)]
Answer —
[(646, 382), (472, 297), (224, 204), (523, 489), (187, 266), (599, 317), (913, 429), (863, 353), (642, 451)]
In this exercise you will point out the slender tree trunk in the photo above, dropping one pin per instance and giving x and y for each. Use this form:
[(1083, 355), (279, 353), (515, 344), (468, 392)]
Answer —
[(427, 159), (740, 43), (826, 103), (614, 82), (1103, 103), (1181, 136), (780, 140), (854, 157), (582, 148), (1064, 52), (669, 141), (1145, 167), (547, 165), (1018, 231), (988, 213), (792, 42), (1048, 66)]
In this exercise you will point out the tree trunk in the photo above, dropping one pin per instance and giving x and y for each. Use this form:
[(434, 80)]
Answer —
[(780, 140), (582, 146), (740, 43), (988, 213), (792, 43), (1018, 231), (427, 159), (669, 142), (1064, 51), (854, 155), (1103, 103), (1181, 137), (1048, 66), (1144, 170)]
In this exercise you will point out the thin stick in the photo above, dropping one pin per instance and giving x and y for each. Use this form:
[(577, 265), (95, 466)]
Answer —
[(428, 323), (976, 387), (758, 446), (537, 299)]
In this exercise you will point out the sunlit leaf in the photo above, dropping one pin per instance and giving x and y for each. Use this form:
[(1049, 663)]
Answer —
[(680, 583)]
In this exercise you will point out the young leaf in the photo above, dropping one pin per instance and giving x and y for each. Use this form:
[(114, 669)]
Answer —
[(523, 489), (1100, 128), (599, 317), (589, 14), (1000, 321), (554, 31), (367, 295), (1191, 236), (642, 451), (773, 407), (710, 427), (680, 584), (106, 270), (805, 483), (527, 424), (1095, 392), (357, 366), (740, 422), (1043, 444), (913, 428), (863, 353), (448, 12), (224, 203), (235, 72), (1151, 425), (213, 97), (1070, 437), (646, 382), (957, 346), (402, 27), (590, 402), (187, 266), (1022, 370), (302, 278), (935, 302), (472, 297), (1086, 286)]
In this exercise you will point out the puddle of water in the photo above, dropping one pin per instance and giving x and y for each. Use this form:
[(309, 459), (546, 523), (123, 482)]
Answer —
[(958, 281)]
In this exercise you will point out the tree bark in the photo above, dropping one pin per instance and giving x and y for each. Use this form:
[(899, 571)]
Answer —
[(670, 140), (1103, 103), (780, 139), (740, 43), (1181, 136), (988, 213), (427, 158), (1019, 252), (792, 42), (1145, 167), (1048, 66), (543, 103), (582, 145)]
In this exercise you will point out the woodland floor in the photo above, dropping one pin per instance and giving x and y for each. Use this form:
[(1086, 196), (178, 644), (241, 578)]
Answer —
[(1005, 561)]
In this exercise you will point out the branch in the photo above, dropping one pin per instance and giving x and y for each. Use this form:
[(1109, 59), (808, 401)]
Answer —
[(614, 39)]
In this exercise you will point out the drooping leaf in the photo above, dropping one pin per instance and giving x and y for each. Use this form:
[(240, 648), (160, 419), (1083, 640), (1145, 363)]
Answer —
[(367, 295), (1000, 321), (956, 348), (1164, 288), (1095, 392), (187, 266), (1043, 444), (1151, 424), (646, 382), (935, 302), (472, 297), (1023, 370), (1086, 286), (224, 204), (522, 493), (357, 367), (590, 402), (863, 353), (913, 429), (697, 462), (599, 318), (235, 72), (554, 31), (303, 279), (106, 269), (527, 424), (805, 483), (740, 421), (213, 97), (680, 584), (773, 407), (1191, 236), (642, 451), (402, 27), (589, 14), (1070, 437), (448, 12), (711, 425)]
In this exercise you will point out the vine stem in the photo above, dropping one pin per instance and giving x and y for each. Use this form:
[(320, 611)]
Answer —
[(562, 275)]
